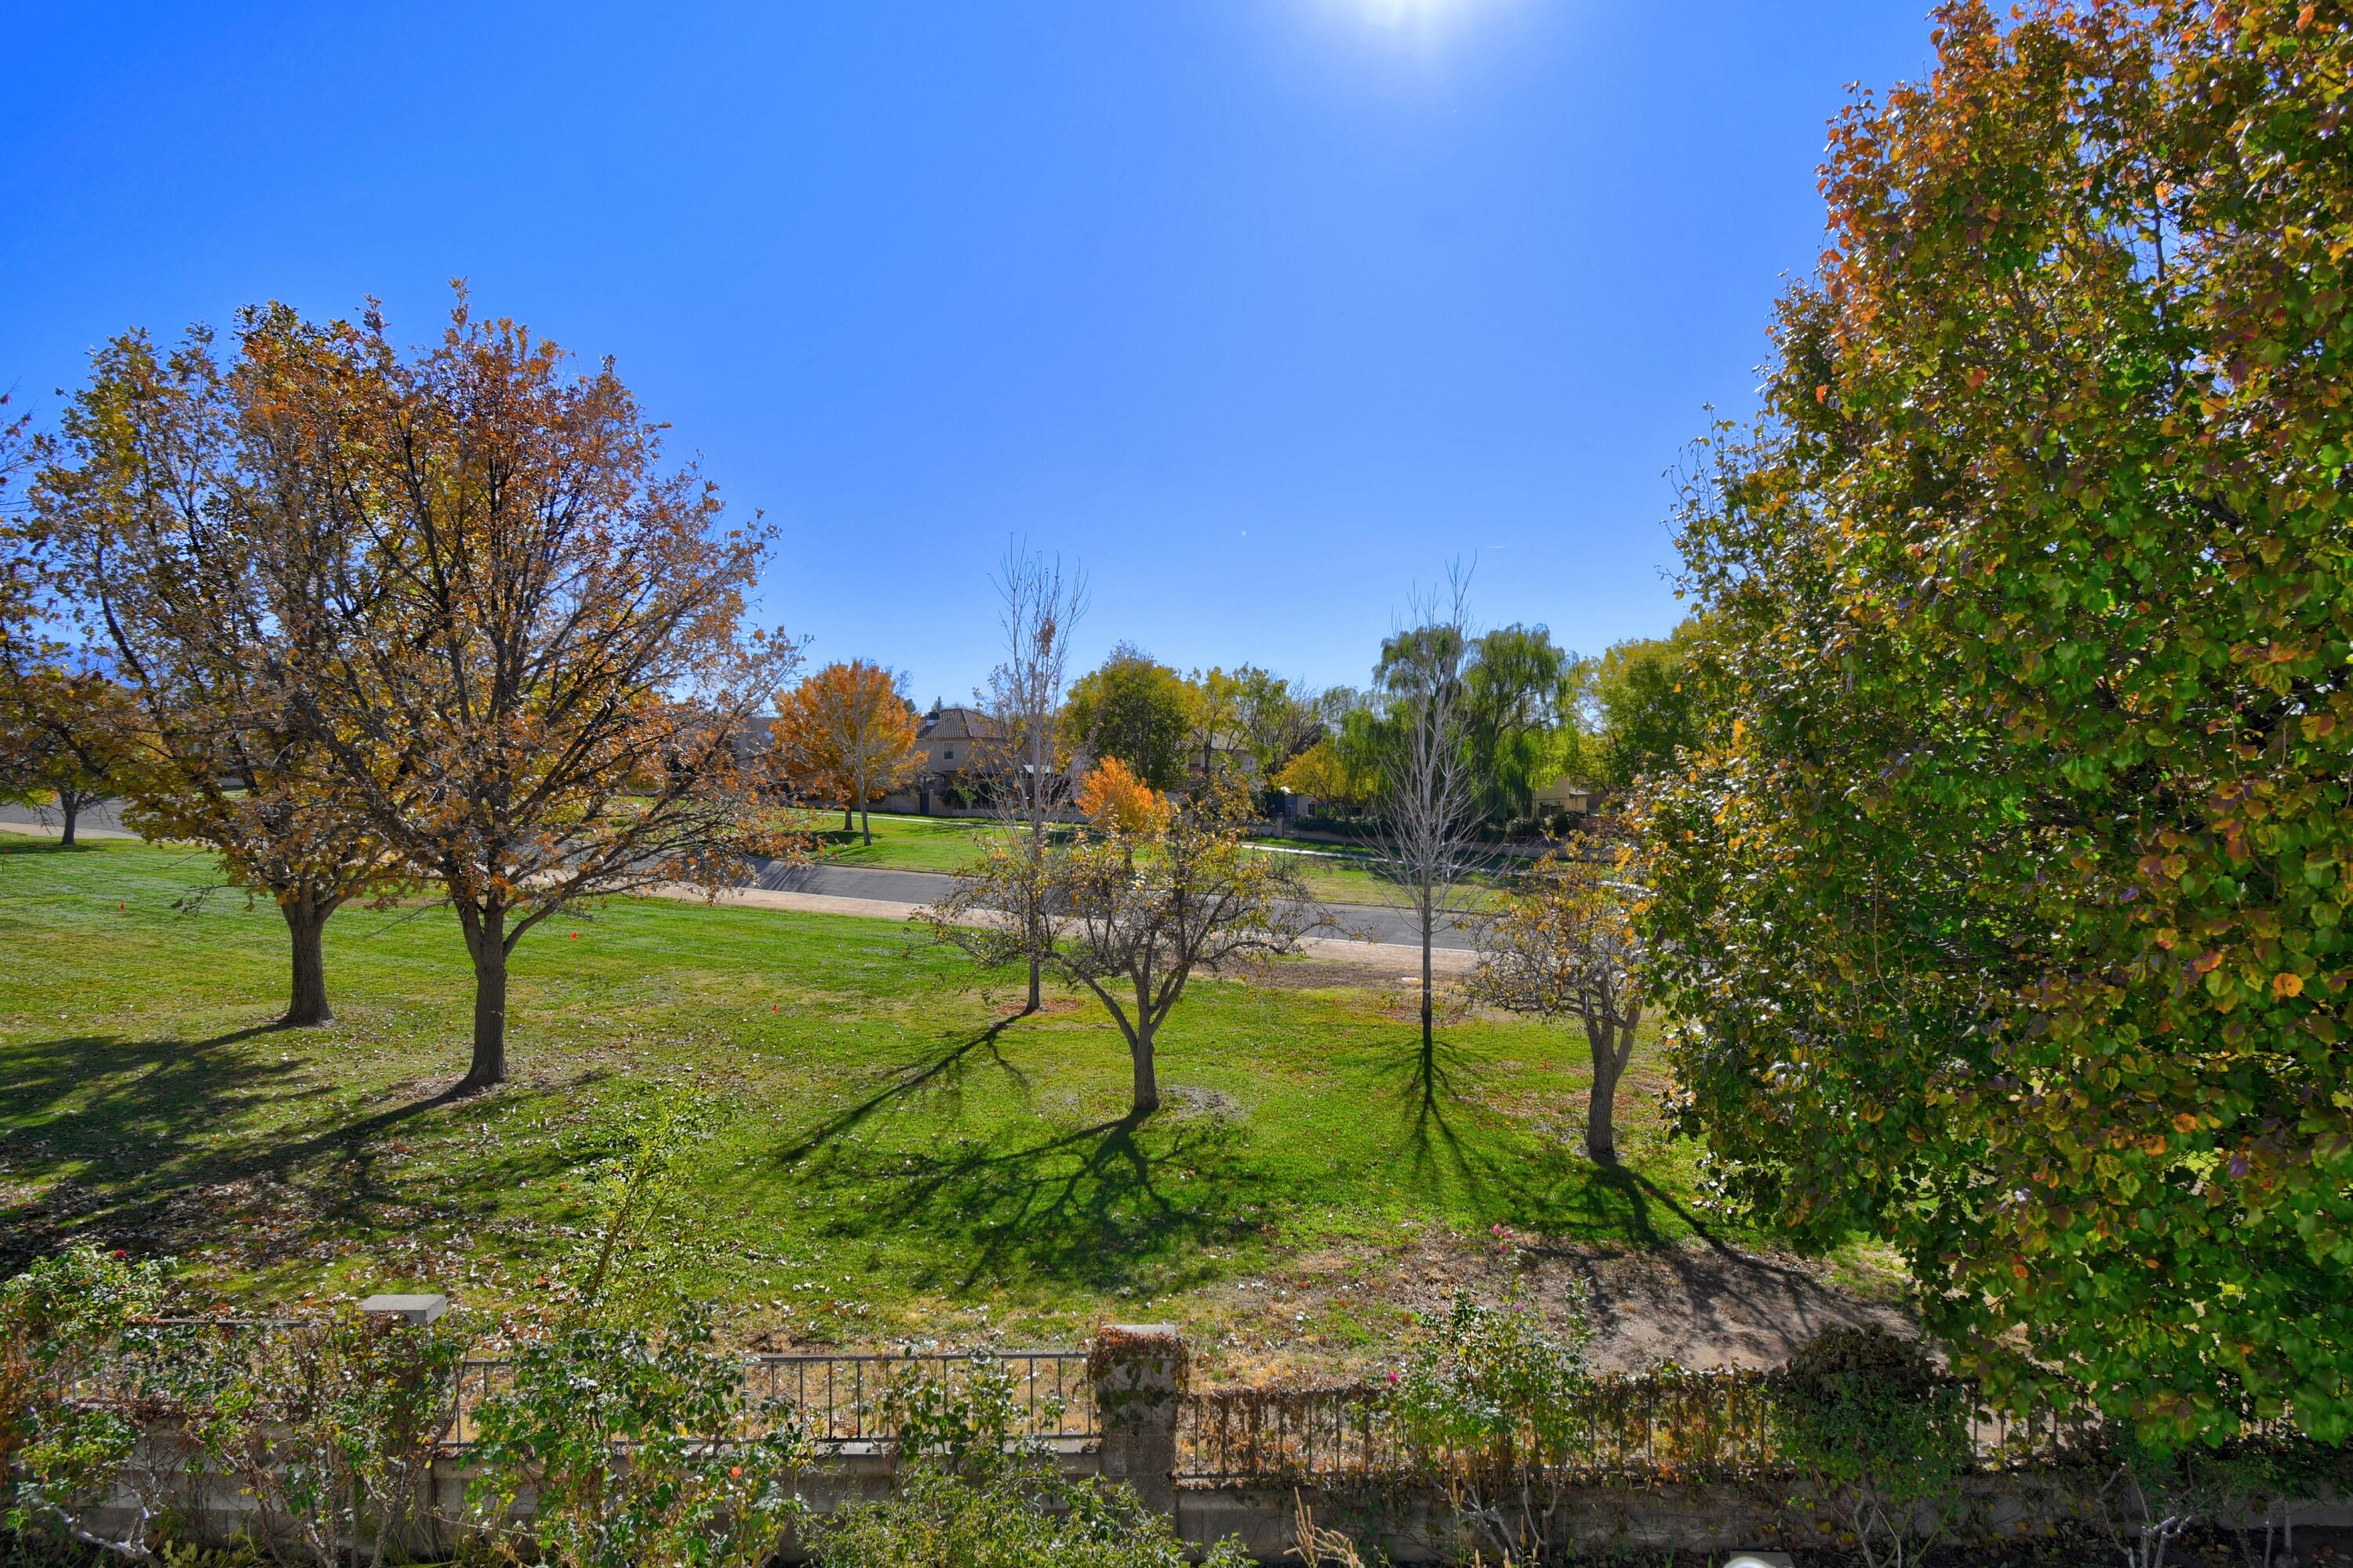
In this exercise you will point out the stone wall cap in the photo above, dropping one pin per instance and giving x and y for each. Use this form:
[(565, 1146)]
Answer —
[(1146, 1330), (416, 1309)]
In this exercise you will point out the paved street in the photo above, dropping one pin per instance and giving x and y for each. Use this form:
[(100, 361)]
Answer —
[(1382, 925), (99, 821)]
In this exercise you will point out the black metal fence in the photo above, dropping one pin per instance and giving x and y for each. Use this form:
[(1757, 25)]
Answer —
[(842, 1400), (1277, 1435), (166, 1362), (1665, 1424)]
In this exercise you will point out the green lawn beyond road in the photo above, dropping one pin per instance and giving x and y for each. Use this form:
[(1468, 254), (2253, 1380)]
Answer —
[(891, 1155)]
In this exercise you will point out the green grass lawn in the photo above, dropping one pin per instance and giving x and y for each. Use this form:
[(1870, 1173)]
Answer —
[(892, 1156), (901, 843)]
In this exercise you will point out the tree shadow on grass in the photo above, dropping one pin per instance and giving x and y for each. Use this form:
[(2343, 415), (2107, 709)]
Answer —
[(1436, 1118), (1448, 1136), (161, 1146), (941, 1074), (1132, 1202), (1565, 1193)]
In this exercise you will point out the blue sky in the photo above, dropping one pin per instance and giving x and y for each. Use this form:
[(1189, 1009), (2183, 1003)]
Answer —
[(1262, 309)]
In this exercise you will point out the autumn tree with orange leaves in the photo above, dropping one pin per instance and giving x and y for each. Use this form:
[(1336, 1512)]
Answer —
[(1114, 799), (846, 734), (189, 525), (64, 740), (545, 706)]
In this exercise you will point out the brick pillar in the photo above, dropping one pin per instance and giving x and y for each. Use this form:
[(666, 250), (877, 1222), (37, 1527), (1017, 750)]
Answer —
[(1138, 1370)]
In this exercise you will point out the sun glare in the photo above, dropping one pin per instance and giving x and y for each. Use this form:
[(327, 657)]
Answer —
[(1409, 13)]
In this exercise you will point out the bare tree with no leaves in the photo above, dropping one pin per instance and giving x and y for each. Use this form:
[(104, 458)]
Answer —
[(1564, 945), (1425, 794), (1022, 764)]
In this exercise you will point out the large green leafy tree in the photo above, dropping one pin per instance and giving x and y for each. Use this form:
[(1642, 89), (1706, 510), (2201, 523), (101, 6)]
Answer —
[(1137, 709), (1641, 707), (2006, 916)]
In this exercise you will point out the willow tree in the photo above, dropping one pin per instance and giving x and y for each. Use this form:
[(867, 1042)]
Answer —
[(188, 524), (554, 715), (2005, 916)]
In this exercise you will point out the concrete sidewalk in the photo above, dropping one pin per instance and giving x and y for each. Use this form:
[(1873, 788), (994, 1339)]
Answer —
[(1392, 957)]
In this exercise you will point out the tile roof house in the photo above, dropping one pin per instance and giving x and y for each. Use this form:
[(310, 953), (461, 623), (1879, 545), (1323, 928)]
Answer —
[(949, 740)]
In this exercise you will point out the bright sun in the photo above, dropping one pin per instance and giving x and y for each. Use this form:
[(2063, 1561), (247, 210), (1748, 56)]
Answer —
[(1409, 13)]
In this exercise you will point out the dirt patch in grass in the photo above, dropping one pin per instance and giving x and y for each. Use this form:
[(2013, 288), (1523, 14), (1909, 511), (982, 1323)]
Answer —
[(1314, 974), (1351, 1314), (1722, 1306), (1187, 1101)]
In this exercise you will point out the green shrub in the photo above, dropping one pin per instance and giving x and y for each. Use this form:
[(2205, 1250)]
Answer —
[(59, 1321), (969, 1426), (1881, 1439), (332, 1425), (1488, 1408), (639, 1448), (1021, 1516), (329, 1424), (974, 1493)]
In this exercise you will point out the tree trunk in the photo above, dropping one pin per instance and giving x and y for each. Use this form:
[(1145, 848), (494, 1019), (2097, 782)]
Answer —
[(1601, 1103), (1029, 921), (1139, 1047), (1147, 1082), (306, 924), (850, 819), (70, 807), (865, 823), (490, 1064), (1429, 917)]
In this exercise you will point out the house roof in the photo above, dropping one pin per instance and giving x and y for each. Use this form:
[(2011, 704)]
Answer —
[(956, 724)]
